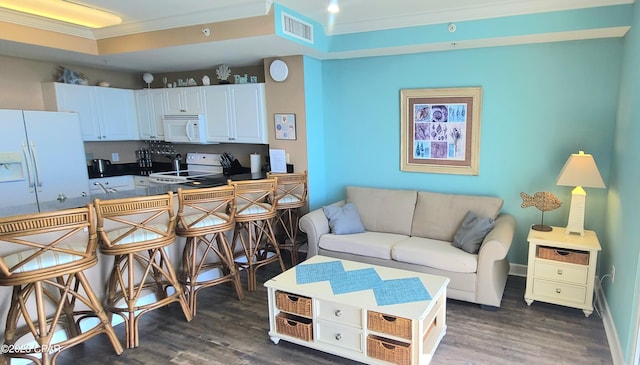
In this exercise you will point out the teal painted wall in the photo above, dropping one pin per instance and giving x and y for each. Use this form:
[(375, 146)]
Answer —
[(541, 102), (622, 229), (313, 92)]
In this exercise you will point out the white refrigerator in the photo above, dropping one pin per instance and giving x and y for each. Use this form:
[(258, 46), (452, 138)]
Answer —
[(42, 162)]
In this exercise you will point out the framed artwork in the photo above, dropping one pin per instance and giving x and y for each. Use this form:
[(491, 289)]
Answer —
[(285, 126), (440, 130)]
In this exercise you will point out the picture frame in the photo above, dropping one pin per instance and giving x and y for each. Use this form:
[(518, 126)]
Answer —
[(285, 126), (440, 130)]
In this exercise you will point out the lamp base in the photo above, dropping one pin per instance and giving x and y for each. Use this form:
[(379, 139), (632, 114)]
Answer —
[(541, 228), (575, 224)]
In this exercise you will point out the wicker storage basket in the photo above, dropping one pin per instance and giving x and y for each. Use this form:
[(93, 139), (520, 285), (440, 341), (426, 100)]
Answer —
[(391, 325), (293, 326), (564, 255), (395, 352), (292, 303)]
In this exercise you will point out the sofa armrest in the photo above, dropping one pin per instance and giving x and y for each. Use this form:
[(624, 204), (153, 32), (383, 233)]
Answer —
[(315, 224), (493, 266)]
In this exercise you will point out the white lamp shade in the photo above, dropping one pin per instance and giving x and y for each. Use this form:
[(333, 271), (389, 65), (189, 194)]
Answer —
[(580, 170)]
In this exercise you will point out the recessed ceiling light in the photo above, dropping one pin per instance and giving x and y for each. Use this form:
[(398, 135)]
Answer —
[(333, 6)]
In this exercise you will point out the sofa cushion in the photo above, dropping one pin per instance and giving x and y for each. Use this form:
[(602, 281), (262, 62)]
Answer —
[(438, 215), (344, 219), (384, 210), (372, 244), (471, 232), (434, 253)]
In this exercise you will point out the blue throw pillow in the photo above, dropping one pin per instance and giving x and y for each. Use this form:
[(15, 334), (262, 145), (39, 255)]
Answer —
[(343, 220), (471, 232)]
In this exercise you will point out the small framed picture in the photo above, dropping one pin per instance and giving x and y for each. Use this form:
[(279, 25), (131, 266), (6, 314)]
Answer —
[(285, 125)]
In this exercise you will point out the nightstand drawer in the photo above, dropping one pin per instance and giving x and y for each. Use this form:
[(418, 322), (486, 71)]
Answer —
[(341, 313), (559, 291), (342, 336), (574, 274)]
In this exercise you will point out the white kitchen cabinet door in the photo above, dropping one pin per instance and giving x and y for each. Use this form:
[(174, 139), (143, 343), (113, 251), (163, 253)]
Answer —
[(75, 98), (117, 113), (236, 113), (106, 114), (150, 109), (185, 100), (217, 111), (250, 113)]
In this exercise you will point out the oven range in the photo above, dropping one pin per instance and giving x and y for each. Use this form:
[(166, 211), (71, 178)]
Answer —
[(203, 170)]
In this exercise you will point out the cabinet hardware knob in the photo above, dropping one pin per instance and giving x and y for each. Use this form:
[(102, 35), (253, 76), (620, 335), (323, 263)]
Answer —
[(338, 337), (558, 291), (559, 271), (338, 313)]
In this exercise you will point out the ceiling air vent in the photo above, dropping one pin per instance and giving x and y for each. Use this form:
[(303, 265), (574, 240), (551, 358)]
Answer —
[(297, 28)]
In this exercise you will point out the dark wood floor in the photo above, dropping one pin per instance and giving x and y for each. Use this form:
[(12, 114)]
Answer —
[(228, 331)]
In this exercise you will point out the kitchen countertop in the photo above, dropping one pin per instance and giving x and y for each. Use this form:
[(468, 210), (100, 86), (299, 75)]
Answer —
[(152, 189)]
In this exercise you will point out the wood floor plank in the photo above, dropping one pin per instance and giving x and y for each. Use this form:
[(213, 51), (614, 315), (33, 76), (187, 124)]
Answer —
[(231, 332)]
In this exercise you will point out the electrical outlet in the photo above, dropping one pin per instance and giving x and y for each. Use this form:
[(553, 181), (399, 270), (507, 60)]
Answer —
[(115, 157), (613, 273)]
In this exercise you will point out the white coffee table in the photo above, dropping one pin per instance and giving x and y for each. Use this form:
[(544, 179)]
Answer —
[(362, 325)]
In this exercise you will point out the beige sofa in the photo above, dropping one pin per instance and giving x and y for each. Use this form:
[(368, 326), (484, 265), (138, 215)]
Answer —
[(414, 230)]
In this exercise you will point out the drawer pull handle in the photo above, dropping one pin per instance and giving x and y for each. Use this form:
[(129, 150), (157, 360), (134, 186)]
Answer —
[(338, 337), (338, 313), (558, 291), (389, 318), (559, 271)]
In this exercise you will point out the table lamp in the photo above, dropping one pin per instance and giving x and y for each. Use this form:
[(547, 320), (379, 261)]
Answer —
[(580, 171)]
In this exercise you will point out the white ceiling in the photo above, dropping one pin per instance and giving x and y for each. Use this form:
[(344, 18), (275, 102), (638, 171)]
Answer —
[(354, 16)]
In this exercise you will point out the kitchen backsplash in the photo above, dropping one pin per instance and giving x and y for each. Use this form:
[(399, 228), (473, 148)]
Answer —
[(126, 150)]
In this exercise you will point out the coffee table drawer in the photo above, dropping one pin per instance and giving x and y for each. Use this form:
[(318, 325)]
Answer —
[(342, 336), (341, 313)]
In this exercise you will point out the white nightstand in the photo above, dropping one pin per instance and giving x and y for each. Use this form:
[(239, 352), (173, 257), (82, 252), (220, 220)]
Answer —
[(562, 268)]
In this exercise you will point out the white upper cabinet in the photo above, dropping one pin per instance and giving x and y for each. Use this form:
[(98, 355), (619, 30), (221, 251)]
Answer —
[(184, 100), (150, 109), (236, 113), (106, 114)]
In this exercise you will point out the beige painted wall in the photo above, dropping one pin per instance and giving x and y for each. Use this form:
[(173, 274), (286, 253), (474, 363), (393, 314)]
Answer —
[(288, 97), (21, 79)]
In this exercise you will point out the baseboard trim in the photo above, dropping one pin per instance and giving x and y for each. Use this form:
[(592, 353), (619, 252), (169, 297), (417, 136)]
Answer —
[(609, 326), (518, 270)]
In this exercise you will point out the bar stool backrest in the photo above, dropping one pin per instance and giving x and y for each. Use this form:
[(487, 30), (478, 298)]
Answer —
[(291, 191), (254, 199), (39, 246), (203, 210), (133, 224)]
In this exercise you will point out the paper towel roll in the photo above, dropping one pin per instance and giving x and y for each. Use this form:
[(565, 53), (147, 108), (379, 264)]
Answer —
[(255, 163)]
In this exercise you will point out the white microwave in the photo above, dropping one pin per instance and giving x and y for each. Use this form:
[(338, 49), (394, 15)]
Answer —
[(185, 128)]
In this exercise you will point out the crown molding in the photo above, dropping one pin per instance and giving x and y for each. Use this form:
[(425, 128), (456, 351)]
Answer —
[(14, 17), (496, 9)]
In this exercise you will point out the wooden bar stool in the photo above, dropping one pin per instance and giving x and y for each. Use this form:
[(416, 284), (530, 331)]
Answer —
[(136, 231), (291, 195), (253, 228), (204, 215), (52, 300)]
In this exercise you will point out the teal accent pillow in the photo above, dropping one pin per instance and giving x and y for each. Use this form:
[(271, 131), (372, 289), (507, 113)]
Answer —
[(343, 220), (472, 232)]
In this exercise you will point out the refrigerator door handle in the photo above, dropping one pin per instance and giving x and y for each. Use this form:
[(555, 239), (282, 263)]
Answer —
[(27, 158), (37, 168)]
